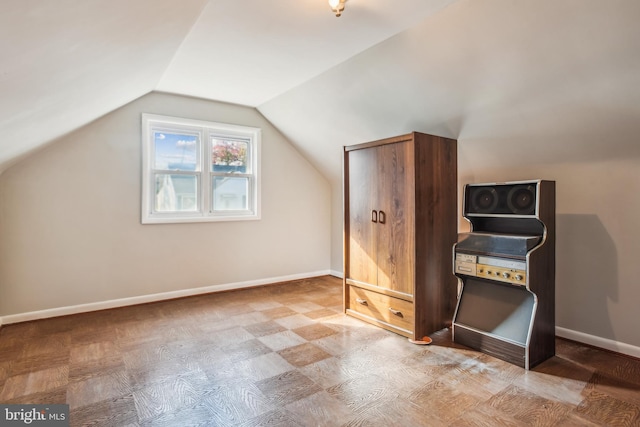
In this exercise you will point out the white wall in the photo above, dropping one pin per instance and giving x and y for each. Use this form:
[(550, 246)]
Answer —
[(597, 237), (70, 230), (530, 90)]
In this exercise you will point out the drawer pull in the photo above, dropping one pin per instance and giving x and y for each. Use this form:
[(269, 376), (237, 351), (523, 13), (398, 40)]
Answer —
[(396, 312), (361, 301)]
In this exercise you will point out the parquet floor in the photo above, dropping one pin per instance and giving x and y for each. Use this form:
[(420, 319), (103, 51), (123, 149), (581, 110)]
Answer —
[(285, 355)]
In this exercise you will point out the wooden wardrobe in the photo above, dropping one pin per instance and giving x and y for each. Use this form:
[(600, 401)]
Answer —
[(400, 225)]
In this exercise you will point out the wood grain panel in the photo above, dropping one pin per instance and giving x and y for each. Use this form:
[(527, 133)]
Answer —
[(231, 403), (35, 382), (508, 351), (528, 407), (275, 418), (362, 201), (391, 310), (218, 374), (436, 223), (320, 409), (287, 387), (120, 411), (542, 276), (362, 392), (609, 410), (396, 248), (303, 354), (415, 188)]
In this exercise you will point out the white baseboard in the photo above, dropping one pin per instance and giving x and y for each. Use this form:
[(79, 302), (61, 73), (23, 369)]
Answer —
[(336, 273), (605, 343), (581, 337), (142, 299), (595, 341)]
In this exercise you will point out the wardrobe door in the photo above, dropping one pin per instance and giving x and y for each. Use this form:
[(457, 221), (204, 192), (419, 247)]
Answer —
[(363, 216), (396, 206)]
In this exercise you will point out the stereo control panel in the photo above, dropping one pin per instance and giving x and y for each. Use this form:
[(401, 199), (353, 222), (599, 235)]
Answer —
[(493, 268)]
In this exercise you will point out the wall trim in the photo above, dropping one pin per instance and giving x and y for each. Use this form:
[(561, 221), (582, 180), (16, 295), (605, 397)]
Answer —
[(336, 273), (142, 299), (605, 343)]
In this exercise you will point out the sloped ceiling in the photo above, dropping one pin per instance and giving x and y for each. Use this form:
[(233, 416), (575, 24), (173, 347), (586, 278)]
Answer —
[(250, 51), (65, 63), (516, 83), (535, 80)]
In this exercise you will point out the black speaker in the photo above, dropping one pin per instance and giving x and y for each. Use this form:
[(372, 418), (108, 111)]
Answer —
[(521, 199), (501, 199)]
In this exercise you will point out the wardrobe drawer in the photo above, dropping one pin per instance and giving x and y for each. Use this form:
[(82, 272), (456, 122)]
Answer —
[(394, 311)]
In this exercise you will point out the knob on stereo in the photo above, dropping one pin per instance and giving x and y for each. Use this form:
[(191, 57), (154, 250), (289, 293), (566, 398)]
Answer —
[(518, 277), (506, 275)]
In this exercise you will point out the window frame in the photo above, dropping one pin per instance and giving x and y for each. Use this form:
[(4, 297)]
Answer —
[(206, 132)]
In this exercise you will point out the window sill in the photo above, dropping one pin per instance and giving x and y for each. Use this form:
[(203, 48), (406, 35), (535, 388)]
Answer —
[(192, 219)]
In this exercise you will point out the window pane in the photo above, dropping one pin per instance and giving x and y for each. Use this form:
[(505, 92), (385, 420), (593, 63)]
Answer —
[(229, 155), (174, 151), (230, 194), (176, 193)]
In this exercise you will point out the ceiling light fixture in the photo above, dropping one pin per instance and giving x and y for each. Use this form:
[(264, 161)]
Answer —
[(337, 6)]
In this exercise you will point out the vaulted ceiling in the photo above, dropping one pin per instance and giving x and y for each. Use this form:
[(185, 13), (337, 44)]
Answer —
[(492, 73)]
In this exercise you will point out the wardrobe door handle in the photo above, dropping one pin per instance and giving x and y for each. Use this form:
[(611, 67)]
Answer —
[(361, 301), (383, 217), (374, 216), (396, 312)]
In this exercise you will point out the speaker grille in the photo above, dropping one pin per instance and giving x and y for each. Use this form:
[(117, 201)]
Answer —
[(521, 199), (501, 199), (484, 200)]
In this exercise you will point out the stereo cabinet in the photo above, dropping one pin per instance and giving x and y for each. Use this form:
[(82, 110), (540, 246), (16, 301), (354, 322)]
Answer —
[(506, 271), (399, 229)]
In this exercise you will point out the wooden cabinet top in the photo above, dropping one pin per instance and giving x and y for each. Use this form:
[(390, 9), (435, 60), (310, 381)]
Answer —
[(413, 136)]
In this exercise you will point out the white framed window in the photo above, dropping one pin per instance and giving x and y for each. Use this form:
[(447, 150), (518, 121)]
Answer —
[(197, 171)]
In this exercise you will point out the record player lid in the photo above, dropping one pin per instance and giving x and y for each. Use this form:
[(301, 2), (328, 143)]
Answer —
[(497, 244)]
